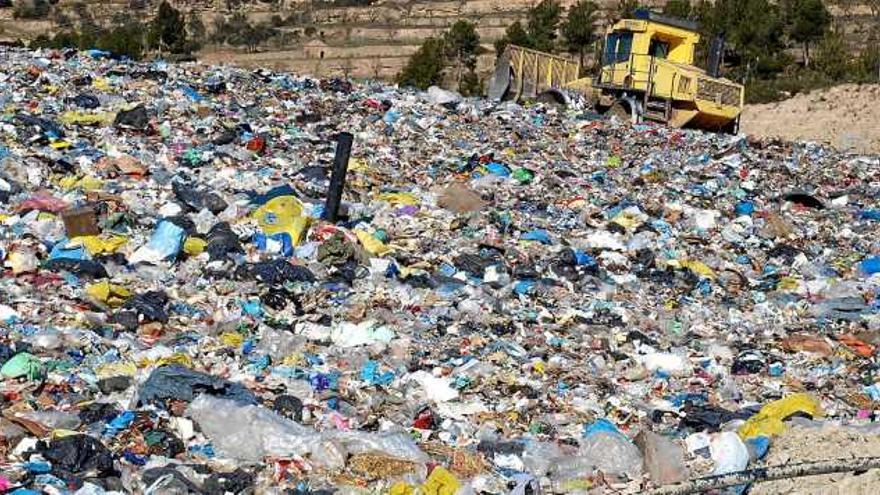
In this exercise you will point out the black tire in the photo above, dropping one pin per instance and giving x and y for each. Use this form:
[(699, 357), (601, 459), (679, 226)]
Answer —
[(621, 110), (552, 98), (731, 127)]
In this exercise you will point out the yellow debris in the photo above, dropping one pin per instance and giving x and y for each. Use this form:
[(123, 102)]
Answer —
[(441, 482), (176, 358), (399, 198), (283, 214), (371, 244), (110, 294), (101, 84), (769, 420), (697, 267), (358, 165), (627, 220), (293, 360), (401, 488), (121, 368), (86, 183), (98, 245), (788, 284), (83, 118), (194, 246), (232, 339), (63, 433), (539, 367)]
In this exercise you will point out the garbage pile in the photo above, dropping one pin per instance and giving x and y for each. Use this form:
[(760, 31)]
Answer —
[(515, 299)]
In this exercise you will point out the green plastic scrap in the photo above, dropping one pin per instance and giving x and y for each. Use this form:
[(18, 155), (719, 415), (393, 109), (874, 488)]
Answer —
[(22, 364), (523, 175)]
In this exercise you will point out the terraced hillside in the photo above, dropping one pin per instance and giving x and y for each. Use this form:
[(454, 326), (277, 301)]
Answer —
[(370, 41)]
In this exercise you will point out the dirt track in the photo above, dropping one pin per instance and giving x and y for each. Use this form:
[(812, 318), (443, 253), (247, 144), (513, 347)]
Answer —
[(846, 116)]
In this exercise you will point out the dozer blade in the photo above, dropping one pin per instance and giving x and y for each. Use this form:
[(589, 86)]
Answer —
[(499, 85), (680, 117)]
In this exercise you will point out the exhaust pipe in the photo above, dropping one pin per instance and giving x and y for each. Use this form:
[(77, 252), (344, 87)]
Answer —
[(716, 52)]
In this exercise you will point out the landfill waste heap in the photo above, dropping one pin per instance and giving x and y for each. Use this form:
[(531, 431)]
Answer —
[(515, 299)]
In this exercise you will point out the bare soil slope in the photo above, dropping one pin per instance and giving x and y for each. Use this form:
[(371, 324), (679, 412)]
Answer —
[(820, 444), (846, 116)]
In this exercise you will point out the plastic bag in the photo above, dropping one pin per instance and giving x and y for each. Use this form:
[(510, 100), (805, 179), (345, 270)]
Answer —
[(769, 420), (283, 214), (249, 433)]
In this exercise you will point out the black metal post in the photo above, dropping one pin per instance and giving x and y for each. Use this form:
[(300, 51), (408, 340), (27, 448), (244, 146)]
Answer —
[(337, 177)]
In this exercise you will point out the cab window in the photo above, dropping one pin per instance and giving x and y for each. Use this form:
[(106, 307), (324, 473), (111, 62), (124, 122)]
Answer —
[(618, 46), (659, 49)]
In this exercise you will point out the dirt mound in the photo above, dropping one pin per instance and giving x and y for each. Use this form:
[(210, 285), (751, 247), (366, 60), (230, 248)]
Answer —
[(846, 117), (819, 444)]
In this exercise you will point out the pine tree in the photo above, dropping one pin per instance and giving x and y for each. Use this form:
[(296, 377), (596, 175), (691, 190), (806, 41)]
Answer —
[(168, 30), (462, 43), (515, 34), (543, 23), (578, 29), (808, 20), (425, 67)]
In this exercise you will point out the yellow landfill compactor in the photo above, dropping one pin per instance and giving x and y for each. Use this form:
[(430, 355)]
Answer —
[(646, 73)]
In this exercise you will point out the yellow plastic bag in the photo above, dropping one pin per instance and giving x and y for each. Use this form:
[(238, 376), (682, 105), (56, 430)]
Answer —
[(98, 245), (401, 488), (788, 284), (441, 482), (283, 214), (86, 183), (194, 246), (399, 198), (110, 294), (176, 358), (56, 434), (769, 419), (232, 339), (101, 84), (371, 244), (697, 267), (358, 165), (627, 220), (82, 118), (122, 368)]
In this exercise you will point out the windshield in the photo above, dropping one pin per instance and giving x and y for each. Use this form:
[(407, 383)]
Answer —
[(618, 46)]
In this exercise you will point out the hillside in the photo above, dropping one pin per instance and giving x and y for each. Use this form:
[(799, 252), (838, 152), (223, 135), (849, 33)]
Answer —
[(362, 41), (845, 116)]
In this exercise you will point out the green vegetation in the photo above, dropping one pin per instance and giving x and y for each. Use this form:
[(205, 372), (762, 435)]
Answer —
[(425, 67), (238, 31), (515, 34), (680, 9), (461, 44), (126, 36), (627, 8), (457, 48), (168, 30), (31, 9), (578, 30), (541, 29)]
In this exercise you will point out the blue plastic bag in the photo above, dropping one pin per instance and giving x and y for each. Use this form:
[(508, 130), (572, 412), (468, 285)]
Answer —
[(538, 236), (870, 266)]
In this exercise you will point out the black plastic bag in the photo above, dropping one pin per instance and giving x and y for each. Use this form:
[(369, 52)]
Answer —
[(77, 454), (136, 118), (180, 383), (80, 268)]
